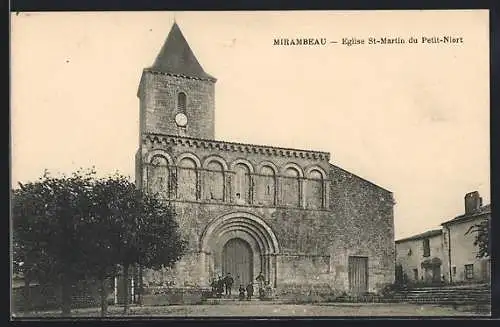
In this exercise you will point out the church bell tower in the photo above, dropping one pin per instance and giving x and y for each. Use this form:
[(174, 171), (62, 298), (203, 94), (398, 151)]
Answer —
[(176, 95)]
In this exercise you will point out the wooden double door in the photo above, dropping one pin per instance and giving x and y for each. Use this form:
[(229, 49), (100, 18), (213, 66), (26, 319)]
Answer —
[(237, 259)]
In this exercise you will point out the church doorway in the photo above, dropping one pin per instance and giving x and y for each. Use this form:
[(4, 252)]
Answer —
[(237, 259)]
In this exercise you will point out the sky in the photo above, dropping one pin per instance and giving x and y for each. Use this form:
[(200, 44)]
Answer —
[(411, 118)]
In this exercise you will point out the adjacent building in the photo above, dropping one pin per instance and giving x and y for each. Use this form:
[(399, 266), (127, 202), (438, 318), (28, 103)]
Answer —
[(458, 243), (420, 257), (448, 254)]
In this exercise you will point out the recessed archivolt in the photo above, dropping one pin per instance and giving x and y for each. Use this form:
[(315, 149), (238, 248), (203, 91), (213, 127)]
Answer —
[(310, 169), (293, 166), (241, 230), (214, 158), (245, 222), (159, 152), (228, 235), (190, 156), (244, 162)]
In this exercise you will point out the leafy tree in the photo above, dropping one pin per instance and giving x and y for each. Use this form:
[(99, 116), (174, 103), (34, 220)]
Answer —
[(136, 229), (47, 216), (81, 227), (482, 237)]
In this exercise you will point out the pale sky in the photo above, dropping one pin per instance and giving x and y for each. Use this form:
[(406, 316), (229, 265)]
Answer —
[(412, 118)]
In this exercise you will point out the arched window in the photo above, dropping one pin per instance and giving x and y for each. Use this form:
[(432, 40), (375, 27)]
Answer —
[(242, 183), (158, 176), (186, 179), (266, 186), (314, 190), (291, 187), (181, 102), (214, 181)]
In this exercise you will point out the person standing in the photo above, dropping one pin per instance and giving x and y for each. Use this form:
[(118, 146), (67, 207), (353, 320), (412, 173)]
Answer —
[(220, 286), (228, 281), (249, 291), (260, 280), (242, 293)]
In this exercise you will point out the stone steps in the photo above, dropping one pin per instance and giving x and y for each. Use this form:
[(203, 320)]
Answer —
[(467, 294)]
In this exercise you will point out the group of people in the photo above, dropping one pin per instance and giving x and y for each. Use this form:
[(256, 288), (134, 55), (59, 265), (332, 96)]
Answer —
[(225, 285)]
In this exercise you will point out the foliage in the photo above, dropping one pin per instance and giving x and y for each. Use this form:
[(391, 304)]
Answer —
[(81, 227), (482, 237)]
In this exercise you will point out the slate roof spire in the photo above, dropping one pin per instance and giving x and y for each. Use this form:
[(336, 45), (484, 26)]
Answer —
[(176, 57)]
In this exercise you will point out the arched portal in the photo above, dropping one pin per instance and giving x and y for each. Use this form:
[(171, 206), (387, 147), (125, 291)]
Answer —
[(240, 238), (237, 259)]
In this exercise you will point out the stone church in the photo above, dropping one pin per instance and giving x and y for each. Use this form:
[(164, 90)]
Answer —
[(246, 209)]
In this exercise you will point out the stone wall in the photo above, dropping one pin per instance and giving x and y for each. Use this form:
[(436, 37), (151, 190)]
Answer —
[(158, 101), (365, 226), (356, 218)]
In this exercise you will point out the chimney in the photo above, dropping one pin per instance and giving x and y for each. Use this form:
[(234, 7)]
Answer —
[(472, 202)]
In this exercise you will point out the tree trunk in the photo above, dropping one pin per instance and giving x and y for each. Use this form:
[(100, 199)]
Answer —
[(126, 288), (27, 295), (103, 292), (66, 295), (141, 286)]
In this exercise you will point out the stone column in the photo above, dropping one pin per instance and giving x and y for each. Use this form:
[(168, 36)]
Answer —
[(302, 198), (198, 184)]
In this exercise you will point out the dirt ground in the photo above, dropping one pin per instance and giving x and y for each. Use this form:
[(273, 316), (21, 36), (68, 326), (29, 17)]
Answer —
[(277, 310)]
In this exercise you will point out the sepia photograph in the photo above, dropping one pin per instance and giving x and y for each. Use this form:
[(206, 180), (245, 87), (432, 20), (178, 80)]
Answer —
[(250, 164)]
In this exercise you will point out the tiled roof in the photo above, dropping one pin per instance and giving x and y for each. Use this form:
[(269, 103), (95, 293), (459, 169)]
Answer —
[(176, 57), (427, 234), (486, 209)]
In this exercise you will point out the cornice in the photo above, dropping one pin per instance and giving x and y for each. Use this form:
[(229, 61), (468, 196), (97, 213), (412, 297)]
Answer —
[(235, 147)]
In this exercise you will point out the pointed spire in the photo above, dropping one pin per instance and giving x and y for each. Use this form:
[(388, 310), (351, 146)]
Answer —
[(176, 57)]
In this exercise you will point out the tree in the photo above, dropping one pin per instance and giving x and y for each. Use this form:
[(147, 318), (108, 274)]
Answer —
[(68, 229), (134, 228), (482, 237), (47, 216)]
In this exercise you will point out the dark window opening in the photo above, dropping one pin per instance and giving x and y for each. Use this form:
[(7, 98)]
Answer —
[(427, 248), (469, 271), (181, 102)]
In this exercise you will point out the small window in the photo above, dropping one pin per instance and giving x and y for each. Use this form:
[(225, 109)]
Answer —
[(427, 248), (409, 252), (415, 274), (469, 271), (181, 102), (454, 271)]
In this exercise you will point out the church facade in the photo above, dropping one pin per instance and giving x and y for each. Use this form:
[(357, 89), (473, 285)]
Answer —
[(246, 209)]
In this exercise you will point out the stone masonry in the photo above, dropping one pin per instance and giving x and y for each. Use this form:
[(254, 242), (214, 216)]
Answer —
[(306, 222)]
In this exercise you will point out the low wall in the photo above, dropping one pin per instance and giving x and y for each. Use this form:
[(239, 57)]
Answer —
[(173, 296)]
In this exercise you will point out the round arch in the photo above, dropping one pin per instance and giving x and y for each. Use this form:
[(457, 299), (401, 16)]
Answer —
[(244, 162), (159, 152), (293, 166), (268, 164), (217, 159), (243, 221), (189, 155), (317, 168)]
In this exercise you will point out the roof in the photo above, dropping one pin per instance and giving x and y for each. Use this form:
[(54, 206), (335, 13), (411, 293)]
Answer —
[(176, 57), (361, 178), (431, 233), (483, 210)]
